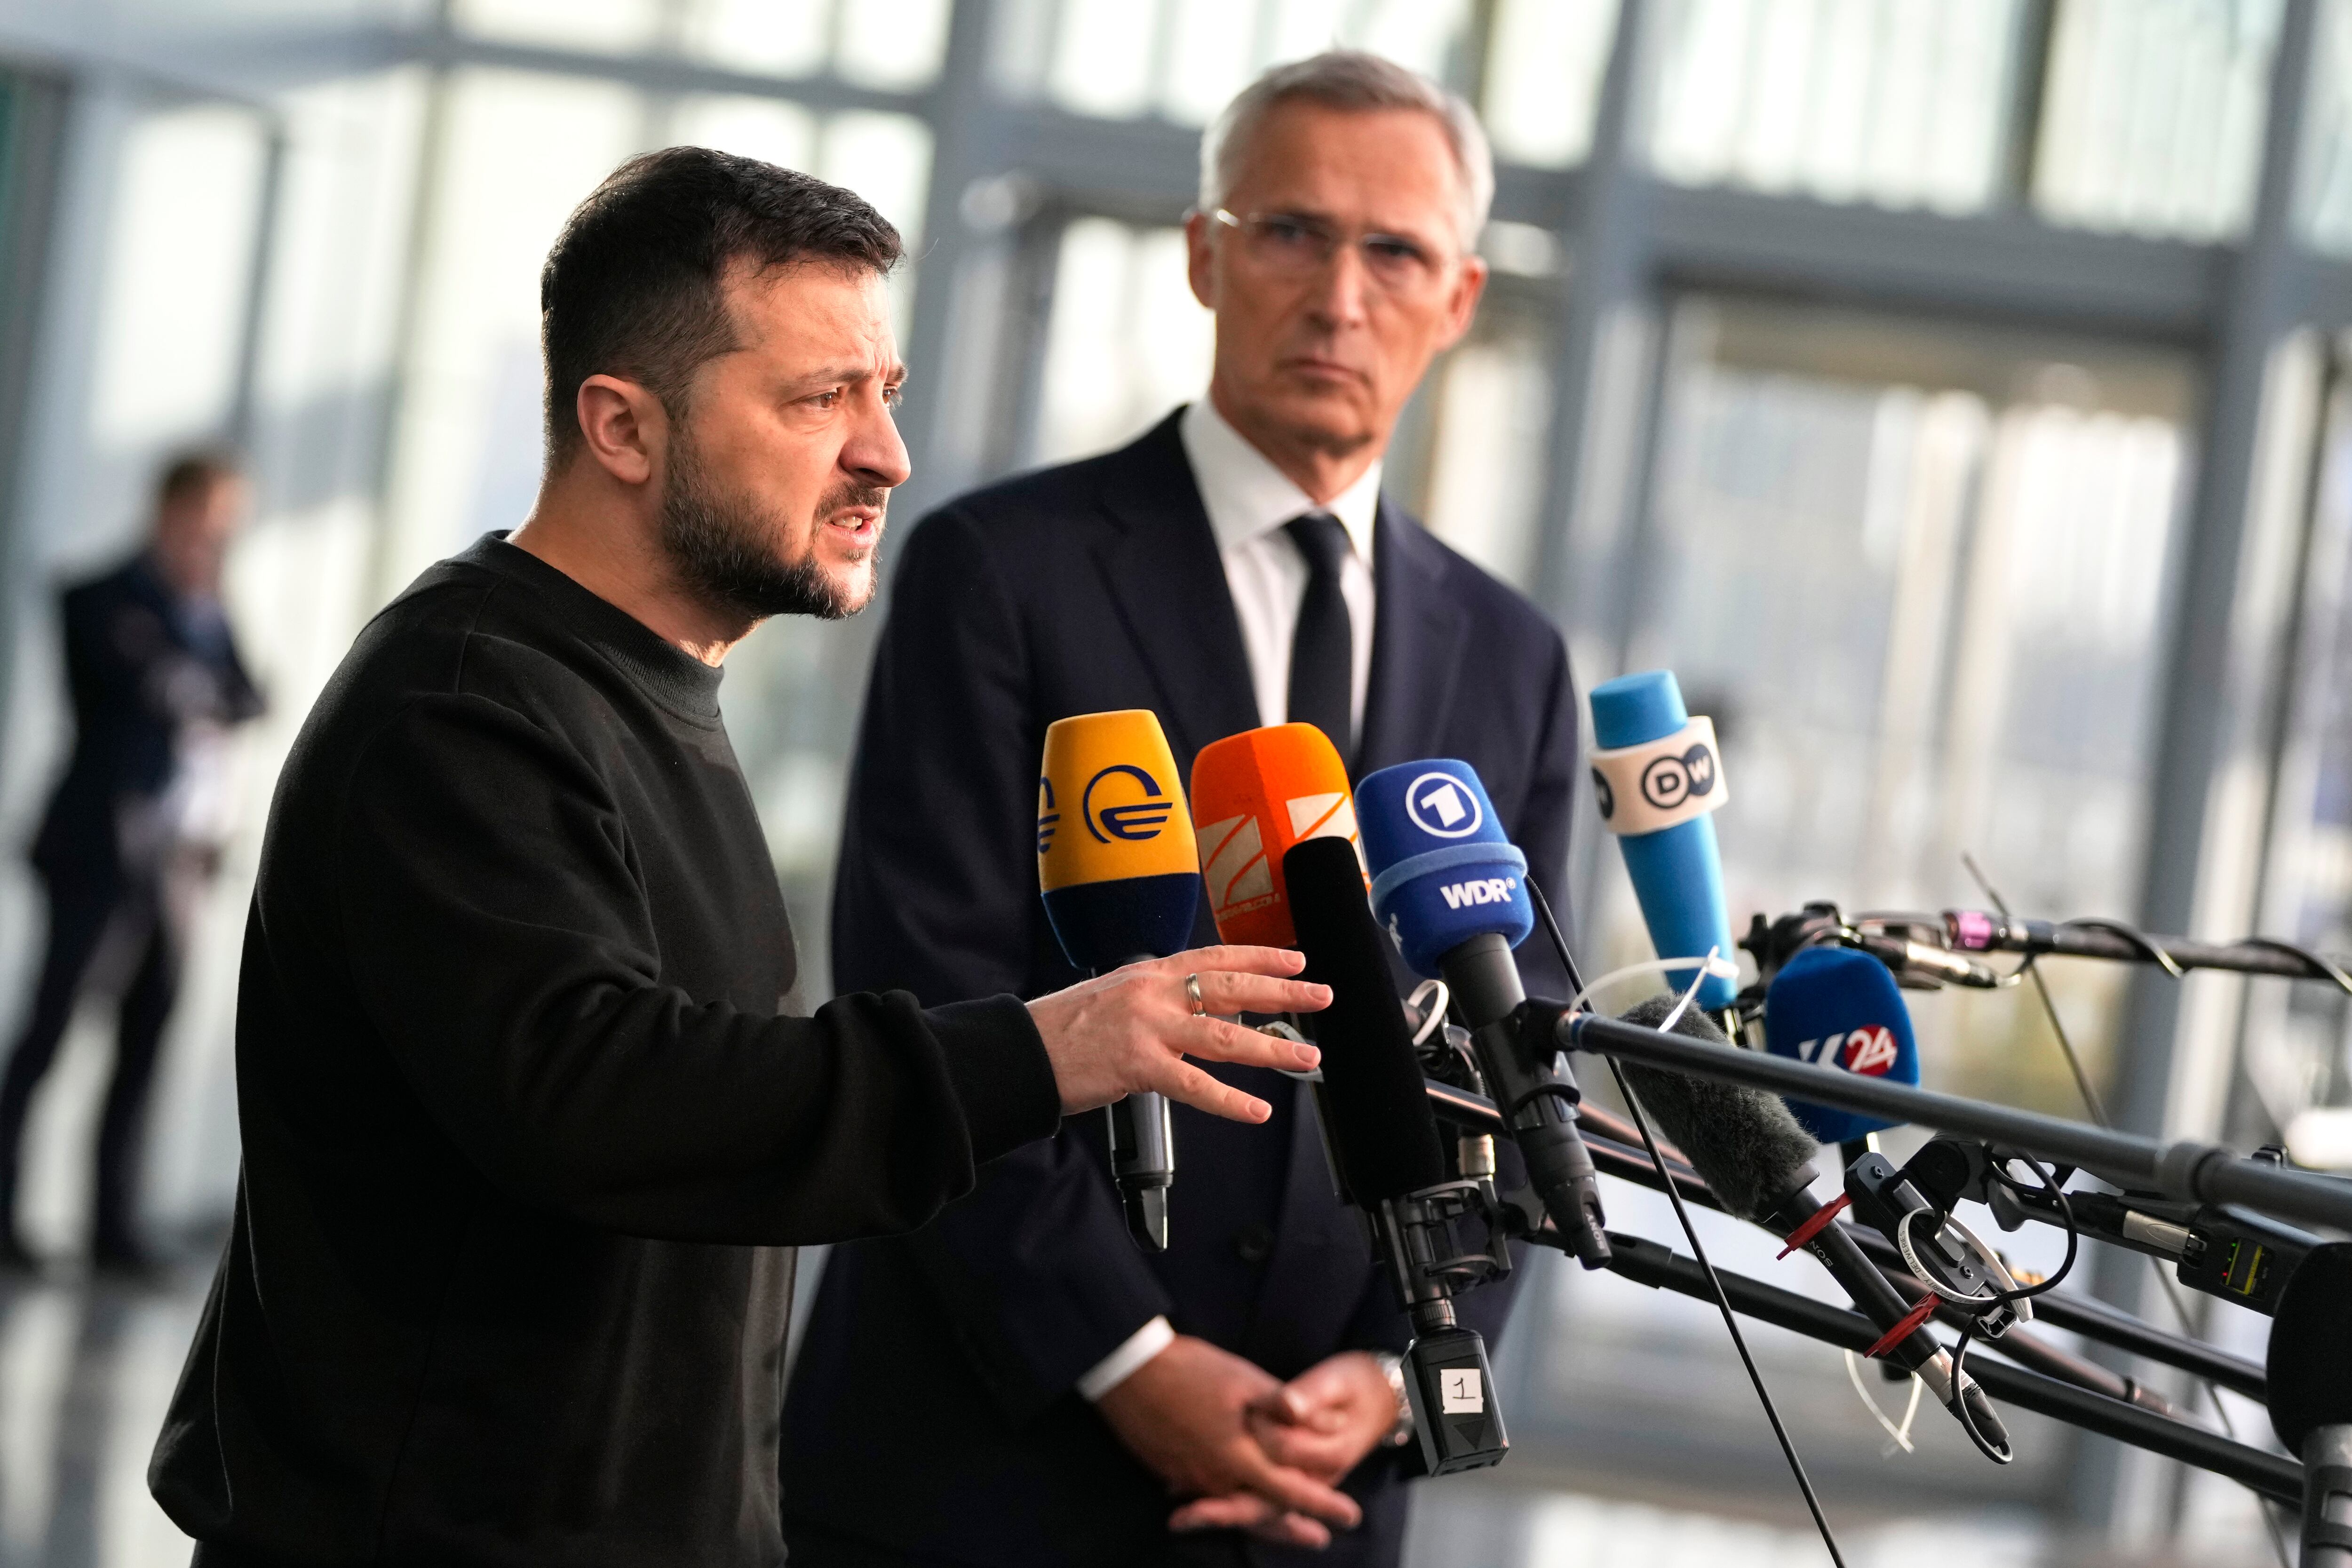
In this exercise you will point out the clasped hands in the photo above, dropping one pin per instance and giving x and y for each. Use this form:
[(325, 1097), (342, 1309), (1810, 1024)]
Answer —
[(1249, 1451)]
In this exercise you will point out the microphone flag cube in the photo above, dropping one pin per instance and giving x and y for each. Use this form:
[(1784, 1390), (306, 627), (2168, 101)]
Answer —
[(1116, 860), (1834, 1007), (1255, 795), (1442, 868), (1656, 777)]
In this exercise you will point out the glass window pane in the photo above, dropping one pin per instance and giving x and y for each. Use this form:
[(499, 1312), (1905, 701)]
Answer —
[(1185, 61), (1211, 55), (1125, 341), (782, 37), (763, 128), (1487, 469), (895, 46), (520, 152), (179, 269), (1103, 56), (2298, 1039), (2152, 118), (1543, 78), (619, 27), (2326, 198), (1877, 100), (1839, 570)]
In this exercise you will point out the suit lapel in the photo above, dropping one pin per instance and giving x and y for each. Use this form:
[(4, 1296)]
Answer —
[(1418, 646), (1160, 567)]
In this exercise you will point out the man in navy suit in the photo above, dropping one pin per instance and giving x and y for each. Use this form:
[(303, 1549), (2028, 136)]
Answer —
[(1017, 1384), (156, 681)]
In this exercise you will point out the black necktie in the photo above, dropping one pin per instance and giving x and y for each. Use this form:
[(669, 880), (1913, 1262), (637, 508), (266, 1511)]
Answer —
[(1322, 650)]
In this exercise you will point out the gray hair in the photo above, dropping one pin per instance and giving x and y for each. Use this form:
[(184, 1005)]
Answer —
[(1352, 79)]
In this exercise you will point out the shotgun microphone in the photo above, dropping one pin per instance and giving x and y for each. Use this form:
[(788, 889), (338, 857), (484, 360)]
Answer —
[(1758, 1161), (1120, 877)]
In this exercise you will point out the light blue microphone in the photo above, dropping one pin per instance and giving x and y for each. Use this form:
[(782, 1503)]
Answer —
[(1657, 776)]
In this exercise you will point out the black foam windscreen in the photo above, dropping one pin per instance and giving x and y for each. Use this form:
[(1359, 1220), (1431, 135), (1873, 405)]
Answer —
[(1381, 1127), (2310, 1363), (1743, 1140)]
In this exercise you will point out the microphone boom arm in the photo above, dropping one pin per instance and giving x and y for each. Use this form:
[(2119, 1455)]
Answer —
[(1650, 1263)]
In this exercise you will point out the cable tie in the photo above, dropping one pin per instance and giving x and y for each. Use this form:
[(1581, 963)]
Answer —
[(1813, 1226), (1905, 1328)]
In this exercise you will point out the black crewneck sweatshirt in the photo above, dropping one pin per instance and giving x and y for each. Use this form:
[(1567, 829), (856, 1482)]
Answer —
[(526, 1137)]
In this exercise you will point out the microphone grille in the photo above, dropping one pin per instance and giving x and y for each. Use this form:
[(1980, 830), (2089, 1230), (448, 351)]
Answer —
[(1742, 1140)]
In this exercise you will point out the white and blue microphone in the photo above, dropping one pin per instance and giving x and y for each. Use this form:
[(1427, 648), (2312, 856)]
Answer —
[(1657, 777)]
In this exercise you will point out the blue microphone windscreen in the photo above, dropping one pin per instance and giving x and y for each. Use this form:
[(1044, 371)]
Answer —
[(1838, 1008), (1442, 868), (1634, 710), (1105, 924)]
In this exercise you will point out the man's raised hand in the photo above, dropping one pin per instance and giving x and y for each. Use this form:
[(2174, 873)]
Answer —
[(1130, 1030)]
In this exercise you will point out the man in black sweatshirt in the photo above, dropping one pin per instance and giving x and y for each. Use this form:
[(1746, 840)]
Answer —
[(526, 1137)]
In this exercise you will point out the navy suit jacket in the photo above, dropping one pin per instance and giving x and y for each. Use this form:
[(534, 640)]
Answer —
[(933, 1407), (140, 664)]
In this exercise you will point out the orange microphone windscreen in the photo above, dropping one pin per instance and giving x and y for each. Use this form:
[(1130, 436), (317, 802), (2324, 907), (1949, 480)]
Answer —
[(1255, 795)]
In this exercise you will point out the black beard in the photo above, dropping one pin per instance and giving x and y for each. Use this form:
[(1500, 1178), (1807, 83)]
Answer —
[(721, 548)]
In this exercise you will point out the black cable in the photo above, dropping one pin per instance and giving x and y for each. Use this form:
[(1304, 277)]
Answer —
[(1559, 943), (1722, 1300), (1723, 1304)]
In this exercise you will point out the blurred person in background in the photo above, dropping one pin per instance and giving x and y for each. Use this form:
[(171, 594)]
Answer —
[(137, 824), (1017, 1384)]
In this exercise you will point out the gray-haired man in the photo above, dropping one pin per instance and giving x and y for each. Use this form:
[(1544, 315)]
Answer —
[(1016, 1383)]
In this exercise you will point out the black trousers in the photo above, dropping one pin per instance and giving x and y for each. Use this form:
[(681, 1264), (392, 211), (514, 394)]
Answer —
[(88, 915)]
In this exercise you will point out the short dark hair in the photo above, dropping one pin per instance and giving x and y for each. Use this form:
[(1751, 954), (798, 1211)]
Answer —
[(632, 287), (190, 474)]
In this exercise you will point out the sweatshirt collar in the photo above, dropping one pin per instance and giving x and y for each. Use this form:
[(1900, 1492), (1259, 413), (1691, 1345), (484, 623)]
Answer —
[(669, 674)]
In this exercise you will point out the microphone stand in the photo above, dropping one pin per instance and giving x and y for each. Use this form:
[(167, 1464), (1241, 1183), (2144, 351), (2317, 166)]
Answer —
[(1647, 1262), (2206, 1173), (1615, 1152)]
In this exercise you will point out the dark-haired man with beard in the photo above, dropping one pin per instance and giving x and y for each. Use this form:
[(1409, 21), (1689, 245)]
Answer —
[(528, 1136)]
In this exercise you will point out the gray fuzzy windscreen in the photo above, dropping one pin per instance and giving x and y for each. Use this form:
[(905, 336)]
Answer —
[(1743, 1140)]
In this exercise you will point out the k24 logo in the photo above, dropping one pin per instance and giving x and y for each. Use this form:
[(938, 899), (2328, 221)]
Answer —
[(1869, 1051)]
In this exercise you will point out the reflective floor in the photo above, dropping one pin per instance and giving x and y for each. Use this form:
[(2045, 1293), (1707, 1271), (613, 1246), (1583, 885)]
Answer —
[(1635, 1441), (86, 1371)]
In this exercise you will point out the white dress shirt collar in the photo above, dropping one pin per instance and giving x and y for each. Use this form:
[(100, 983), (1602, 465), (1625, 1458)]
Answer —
[(1245, 495)]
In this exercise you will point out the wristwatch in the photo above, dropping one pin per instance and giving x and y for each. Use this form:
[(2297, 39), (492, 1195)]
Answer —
[(1392, 1367)]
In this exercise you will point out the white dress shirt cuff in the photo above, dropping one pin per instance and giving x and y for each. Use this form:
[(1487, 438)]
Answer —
[(1123, 1362)]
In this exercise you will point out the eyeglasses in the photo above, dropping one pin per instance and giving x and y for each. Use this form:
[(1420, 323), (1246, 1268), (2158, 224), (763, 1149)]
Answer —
[(1287, 244)]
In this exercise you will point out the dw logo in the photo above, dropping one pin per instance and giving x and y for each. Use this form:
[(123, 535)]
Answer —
[(1669, 781), (1603, 795), (1047, 814), (1134, 821)]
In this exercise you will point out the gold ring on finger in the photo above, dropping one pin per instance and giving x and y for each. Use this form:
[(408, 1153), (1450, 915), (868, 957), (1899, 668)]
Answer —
[(1193, 989)]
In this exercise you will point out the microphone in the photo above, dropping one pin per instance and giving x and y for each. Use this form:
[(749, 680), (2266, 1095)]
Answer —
[(1255, 795), (1385, 1140), (1657, 775), (1834, 1007), (1758, 1161), (1118, 870), (2310, 1387), (1450, 887)]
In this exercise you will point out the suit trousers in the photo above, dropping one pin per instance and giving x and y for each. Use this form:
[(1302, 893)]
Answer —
[(89, 916)]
